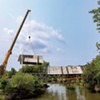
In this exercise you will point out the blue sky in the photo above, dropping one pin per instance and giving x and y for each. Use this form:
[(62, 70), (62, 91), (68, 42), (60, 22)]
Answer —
[(61, 30)]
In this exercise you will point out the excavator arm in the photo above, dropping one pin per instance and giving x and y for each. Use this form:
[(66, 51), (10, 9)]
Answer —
[(3, 66)]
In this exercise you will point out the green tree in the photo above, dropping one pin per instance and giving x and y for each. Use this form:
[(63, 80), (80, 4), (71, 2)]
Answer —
[(92, 73), (96, 19), (11, 72), (96, 16), (3, 83), (35, 68), (23, 86)]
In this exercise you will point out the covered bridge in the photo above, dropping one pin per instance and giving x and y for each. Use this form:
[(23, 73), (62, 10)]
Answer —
[(31, 59)]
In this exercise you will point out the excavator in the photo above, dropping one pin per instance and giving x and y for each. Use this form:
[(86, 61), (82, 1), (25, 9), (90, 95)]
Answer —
[(3, 66)]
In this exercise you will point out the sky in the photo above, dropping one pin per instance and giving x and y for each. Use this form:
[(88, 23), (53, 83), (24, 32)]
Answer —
[(62, 31)]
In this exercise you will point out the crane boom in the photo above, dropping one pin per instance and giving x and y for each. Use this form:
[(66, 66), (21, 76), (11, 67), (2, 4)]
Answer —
[(2, 67)]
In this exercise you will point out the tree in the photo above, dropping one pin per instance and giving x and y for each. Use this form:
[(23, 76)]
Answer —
[(96, 19), (35, 68), (23, 86), (11, 72), (3, 83), (96, 16), (92, 73)]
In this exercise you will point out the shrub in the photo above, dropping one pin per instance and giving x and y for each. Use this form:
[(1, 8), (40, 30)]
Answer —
[(92, 73), (11, 72), (23, 86), (3, 83), (35, 68)]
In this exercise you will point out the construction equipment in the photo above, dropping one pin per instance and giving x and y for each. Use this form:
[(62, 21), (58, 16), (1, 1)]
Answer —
[(3, 66)]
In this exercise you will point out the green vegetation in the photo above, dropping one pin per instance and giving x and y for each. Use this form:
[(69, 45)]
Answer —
[(32, 69), (35, 69), (11, 73), (92, 70), (92, 74), (6, 78), (23, 86), (96, 16), (96, 19), (3, 83)]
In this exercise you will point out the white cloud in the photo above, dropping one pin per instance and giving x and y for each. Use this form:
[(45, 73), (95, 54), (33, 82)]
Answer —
[(45, 50), (37, 36), (59, 49), (9, 31)]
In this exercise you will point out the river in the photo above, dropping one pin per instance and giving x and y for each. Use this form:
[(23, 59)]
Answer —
[(60, 92)]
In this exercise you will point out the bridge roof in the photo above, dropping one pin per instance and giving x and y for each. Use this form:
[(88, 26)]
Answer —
[(75, 70), (54, 70), (65, 70)]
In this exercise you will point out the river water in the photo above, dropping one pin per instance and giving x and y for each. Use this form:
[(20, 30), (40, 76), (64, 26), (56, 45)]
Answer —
[(61, 92)]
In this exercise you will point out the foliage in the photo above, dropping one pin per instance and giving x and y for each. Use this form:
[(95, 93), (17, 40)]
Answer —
[(31, 69), (35, 68), (3, 82), (96, 19), (92, 72), (96, 16), (11, 72), (6, 77), (23, 86)]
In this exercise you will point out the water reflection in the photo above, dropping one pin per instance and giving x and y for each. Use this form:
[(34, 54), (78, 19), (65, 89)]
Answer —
[(61, 92), (71, 94), (79, 94), (58, 90)]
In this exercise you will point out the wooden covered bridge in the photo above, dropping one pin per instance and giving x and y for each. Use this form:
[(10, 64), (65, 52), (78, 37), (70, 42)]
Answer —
[(65, 73), (53, 72)]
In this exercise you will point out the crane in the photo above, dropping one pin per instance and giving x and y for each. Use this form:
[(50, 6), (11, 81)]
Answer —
[(3, 66)]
